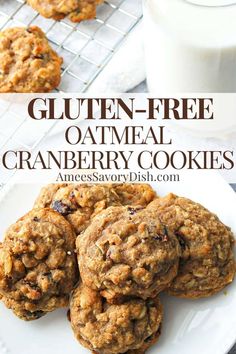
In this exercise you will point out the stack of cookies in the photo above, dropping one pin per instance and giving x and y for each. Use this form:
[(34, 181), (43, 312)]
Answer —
[(108, 251)]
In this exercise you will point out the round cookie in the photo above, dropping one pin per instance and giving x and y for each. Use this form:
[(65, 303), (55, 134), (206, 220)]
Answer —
[(126, 251), (27, 62), (130, 327), (81, 202), (76, 10), (207, 262), (38, 267)]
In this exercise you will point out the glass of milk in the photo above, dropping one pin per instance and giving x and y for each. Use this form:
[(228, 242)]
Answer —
[(190, 45)]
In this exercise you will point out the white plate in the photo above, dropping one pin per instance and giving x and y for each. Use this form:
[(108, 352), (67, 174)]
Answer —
[(205, 326)]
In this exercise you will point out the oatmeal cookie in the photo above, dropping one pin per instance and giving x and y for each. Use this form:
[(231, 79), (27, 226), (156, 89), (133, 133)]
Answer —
[(38, 267), (126, 251), (129, 327), (76, 10), (207, 262), (27, 62), (81, 202)]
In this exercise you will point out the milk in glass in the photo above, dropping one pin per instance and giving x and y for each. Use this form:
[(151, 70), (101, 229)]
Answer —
[(190, 45)]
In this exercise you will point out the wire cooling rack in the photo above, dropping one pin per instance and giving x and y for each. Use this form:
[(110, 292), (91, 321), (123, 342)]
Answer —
[(86, 47)]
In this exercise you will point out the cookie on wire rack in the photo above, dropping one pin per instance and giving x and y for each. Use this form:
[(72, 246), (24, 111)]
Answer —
[(27, 62), (75, 10)]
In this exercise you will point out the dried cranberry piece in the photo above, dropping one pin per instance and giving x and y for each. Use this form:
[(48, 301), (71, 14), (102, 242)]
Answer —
[(34, 315), (163, 238), (132, 211), (159, 238), (61, 208), (181, 240), (39, 56)]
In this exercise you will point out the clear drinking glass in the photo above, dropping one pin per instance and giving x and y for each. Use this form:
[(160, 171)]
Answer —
[(190, 45)]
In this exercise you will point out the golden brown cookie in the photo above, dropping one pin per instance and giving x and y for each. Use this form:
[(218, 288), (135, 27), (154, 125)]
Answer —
[(129, 327), (126, 251), (38, 267), (207, 262), (27, 62), (76, 10), (79, 203)]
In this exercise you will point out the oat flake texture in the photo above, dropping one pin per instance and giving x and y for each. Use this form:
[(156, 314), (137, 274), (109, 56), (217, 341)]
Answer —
[(27, 62), (38, 267), (127, 251), (130, 327), (207, 262)]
